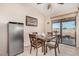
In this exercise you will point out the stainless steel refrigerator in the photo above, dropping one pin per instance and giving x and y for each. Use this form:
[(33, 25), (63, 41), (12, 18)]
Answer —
[(15, 38)]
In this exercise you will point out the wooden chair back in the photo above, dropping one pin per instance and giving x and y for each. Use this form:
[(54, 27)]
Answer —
[(32, 39)]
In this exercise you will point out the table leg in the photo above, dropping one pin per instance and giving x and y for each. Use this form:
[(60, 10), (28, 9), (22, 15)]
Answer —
[(44, 48)]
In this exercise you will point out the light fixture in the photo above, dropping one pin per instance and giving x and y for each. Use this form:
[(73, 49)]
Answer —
[(48, 22)]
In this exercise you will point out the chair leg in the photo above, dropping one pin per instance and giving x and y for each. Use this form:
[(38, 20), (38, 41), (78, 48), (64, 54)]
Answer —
[(36, 51), (58, 49), (55, 52), (46, 49), (30, 49), (42, 49)]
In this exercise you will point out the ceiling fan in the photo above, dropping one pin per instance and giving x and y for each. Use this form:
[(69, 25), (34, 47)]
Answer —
[(49, 5)]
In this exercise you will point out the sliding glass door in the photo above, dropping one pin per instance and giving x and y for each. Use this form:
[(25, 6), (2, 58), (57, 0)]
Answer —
[(68, 32), (66, 28), (56, 26)]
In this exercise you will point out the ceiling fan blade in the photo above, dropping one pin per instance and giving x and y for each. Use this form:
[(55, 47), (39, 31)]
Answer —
[(61, 3), (39, 3)]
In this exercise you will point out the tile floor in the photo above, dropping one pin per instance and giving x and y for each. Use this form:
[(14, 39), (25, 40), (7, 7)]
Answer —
[(65, 50)]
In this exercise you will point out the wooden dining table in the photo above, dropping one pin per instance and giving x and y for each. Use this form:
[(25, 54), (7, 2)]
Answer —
[(45, 39)]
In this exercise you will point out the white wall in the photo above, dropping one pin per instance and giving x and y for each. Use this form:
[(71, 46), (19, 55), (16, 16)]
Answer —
[(77, 30), (18, 13), (47, 26)]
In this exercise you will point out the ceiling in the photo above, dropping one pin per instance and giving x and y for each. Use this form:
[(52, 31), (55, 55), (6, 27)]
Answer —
[(55, 8)]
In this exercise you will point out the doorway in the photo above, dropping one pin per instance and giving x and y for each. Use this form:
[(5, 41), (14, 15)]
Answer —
[(66, 28)]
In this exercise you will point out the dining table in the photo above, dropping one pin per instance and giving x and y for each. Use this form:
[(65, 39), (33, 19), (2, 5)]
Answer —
[(45, 39)]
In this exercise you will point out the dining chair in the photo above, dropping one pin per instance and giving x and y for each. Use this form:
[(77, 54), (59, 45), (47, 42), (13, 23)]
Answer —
[(53, 44), (36, 43)]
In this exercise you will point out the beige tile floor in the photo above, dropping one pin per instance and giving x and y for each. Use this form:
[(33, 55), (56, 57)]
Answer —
[(65, 50)]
